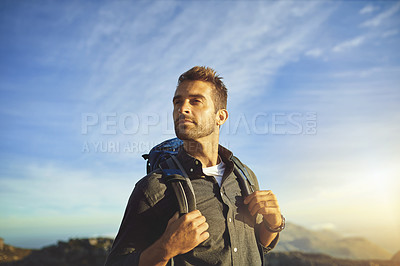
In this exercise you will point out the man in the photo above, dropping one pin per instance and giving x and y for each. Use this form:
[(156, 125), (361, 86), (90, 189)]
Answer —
[(227, 228)]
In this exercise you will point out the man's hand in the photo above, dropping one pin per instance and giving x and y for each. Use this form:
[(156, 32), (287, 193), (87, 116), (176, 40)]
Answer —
[(265, 203), (185, 233), (181, 235)]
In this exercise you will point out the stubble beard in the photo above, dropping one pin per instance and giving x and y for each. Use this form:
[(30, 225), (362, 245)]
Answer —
[(195, 130)]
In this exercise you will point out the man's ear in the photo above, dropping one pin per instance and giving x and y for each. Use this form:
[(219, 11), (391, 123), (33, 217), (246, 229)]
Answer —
[(222, 116)]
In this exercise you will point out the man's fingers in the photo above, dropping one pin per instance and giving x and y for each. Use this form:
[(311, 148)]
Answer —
[(204, 236), (200, 226), (264, 208), (262, 202), (269, 203), (257, 200), (194, 221), (258, 194), (192, 215), (203, 227), (195, 218), (185, 233), (199, 221)]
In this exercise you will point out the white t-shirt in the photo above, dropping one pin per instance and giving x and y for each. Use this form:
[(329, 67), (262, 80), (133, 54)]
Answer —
[(217, 171)]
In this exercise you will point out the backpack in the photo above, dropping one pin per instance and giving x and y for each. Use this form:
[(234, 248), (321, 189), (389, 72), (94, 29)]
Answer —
[(163, 156)]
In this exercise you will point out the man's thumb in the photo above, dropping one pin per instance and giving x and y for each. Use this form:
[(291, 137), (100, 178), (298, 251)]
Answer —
[(174, 218)]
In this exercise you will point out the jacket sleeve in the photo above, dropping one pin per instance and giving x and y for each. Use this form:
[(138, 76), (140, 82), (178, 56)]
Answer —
[(149, 208), (131, 239), (259, 218)]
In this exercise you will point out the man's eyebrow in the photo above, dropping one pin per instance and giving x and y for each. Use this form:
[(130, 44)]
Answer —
[(197, 96), (190, 96), (176, 97)]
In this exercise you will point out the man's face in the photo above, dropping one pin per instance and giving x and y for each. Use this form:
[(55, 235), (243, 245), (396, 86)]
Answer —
[(194, 111)]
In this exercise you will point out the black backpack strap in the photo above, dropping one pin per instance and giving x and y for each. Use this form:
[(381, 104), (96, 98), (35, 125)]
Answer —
[(185, 175), (176, 182), (176, 175), (245, 179)]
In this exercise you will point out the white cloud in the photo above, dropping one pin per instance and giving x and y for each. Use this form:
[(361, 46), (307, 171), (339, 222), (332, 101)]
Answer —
[(380, 18), (368, 9), (267, 42), (390, 33), (360, 73), (314, 52), (37, 189), (349, 44)]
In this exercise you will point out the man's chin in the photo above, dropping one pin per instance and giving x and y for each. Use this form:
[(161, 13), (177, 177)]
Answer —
[(184, 134)]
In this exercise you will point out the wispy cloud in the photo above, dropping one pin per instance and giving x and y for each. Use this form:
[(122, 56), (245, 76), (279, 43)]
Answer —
[(380, 18), (266, 44), (314, 52), (355, 42), (368, 9), (43, 189), (390, 33)]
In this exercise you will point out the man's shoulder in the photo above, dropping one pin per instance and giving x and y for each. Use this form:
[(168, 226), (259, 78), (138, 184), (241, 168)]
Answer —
[(153, 186), (152, 177), (241, 163), (248, 172)]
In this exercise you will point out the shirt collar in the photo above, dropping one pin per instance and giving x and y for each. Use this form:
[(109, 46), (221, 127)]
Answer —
[(193, 166)]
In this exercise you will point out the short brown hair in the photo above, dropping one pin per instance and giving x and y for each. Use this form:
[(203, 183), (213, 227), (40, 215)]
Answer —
[(208, 74)]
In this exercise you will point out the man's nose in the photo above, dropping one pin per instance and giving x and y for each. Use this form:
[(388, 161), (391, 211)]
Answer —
[(184, 108)]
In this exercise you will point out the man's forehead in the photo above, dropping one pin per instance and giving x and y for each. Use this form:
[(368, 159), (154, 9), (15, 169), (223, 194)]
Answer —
[(194, 87)]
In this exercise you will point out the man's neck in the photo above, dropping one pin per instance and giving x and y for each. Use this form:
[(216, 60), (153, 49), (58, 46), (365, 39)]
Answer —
[(204, 150)]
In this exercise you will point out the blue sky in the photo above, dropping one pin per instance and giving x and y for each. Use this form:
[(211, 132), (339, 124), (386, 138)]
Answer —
[(86, 87)]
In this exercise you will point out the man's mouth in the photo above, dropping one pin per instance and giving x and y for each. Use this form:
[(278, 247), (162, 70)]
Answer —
[(184, 120)]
